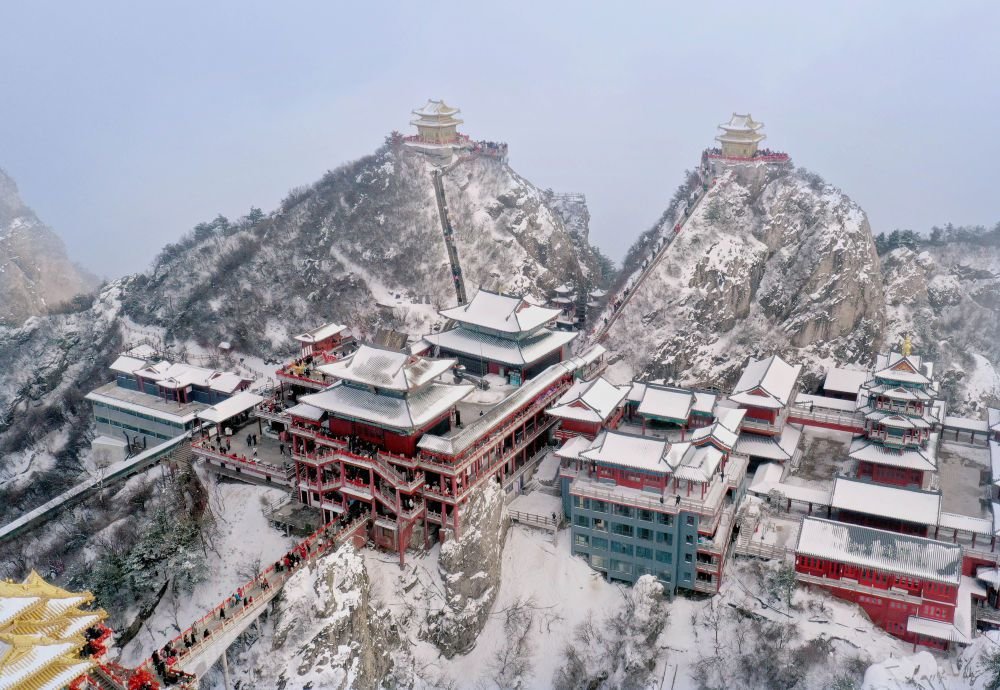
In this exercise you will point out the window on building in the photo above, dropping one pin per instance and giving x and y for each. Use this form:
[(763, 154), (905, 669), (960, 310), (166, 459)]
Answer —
[(582, 521), (577, 501), (646, 515), (664, 557), (621, 566), (664, 538), (622, 530), (624, 549), (665, 518), (665, 576), (600, 525), (689, 520), (599, 543), (644, 552), (599, 506), (598, 562), (644, 534), (687, 558), (624, 511), (689, 539), (582, 540)]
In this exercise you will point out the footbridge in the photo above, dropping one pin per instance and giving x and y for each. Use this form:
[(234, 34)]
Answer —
[(174, 449)]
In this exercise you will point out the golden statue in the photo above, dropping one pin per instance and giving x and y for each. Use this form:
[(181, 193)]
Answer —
[(907, 345)]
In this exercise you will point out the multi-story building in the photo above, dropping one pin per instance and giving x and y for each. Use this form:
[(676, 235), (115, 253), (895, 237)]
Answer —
[(503, 335), (389, 439), (643, 505), (152, 400), (901, 408), (911, 586), (765, 390)]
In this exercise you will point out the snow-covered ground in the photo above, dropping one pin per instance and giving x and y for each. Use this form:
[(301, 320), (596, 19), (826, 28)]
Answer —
[(242, 540)]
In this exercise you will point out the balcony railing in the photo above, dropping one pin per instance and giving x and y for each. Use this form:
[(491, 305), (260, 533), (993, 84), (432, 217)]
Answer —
[(703, 586), (855, 586)]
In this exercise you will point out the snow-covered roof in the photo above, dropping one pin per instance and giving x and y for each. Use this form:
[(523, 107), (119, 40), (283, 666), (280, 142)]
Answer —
[(410, 412), (880, 549), (704, 402), (628, 450), (322, 333), (840, 380), (693, 463), (723, 432), (589, 401), (824, 403), (388, 369), (175, 375), (573, 447), (220, 412), (869, 498), (780, 448), (144, 403), (897, 392), (966, 424), (306, 411), (895, 420), (924, 459), (501, 313), (966, 523), (666, 402), (768, 478), (127, 365), (905, 369), (435, 108), (495, 349), (741, 123), (766, 383)]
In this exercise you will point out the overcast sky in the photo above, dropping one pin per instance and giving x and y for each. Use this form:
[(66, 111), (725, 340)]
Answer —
[(127, 123)]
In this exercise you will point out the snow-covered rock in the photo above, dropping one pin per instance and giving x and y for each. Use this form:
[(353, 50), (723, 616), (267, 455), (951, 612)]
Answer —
[(329, 633), (469, 567), (35, 272), (772, 260)]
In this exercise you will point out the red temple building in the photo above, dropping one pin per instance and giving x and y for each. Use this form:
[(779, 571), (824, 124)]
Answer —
[(901, 409), (502, 335), (765, 390), (911, 586), (317, 348), (658, 406), (588, 407)]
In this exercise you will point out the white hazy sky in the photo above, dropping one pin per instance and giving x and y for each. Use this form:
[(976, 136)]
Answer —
[(127, 123)]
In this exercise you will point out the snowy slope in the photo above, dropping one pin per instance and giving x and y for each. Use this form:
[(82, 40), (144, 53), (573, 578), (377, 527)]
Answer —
[(948, 297), (772, 260), (363, 246)]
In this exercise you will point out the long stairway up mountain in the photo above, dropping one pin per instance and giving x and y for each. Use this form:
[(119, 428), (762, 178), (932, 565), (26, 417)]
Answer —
[(618, 301), (449, 237)]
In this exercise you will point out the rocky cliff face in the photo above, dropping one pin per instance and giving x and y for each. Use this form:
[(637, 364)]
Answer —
[(35, 273), (363, 246), (947, 296), (470, 570), (329, 632), (772, 260)]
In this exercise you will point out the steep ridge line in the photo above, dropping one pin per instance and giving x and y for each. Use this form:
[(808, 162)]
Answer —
[(449, 237), (631, 287)]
